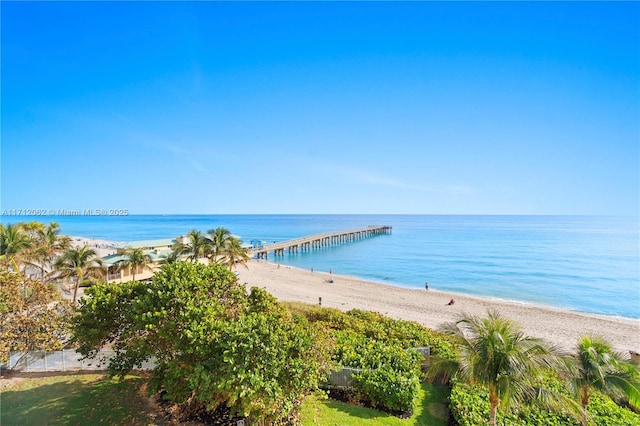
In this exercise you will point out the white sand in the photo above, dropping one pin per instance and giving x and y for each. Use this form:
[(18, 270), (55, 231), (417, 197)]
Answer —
[(429, 307), (101, 247)]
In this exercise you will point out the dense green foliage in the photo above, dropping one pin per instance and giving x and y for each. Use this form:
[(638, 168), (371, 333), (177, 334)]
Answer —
[(218, 245), (213, 343), (32, 316), (136, 258), (498, 364), (597, 367), (376, 327), (380, 346), (470, 406), (82, 264), (390, 376), (494, 352)]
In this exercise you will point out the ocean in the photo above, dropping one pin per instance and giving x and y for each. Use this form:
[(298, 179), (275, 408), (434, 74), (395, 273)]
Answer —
[(582, 263)]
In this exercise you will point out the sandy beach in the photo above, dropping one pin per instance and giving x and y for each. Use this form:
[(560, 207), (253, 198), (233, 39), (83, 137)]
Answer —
[(101, 247), (429, 307)]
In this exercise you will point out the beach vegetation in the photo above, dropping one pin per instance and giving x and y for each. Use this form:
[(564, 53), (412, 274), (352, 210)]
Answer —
[(234, 254), (26, 245), (198, 246), (218, 245), (220, 238), (32, 315), (597, 367), (377, 327), (48, 243), (493, 352), (81, 264), (15, 244), (469, 405), (387, 371), (592, 387), (213, 344), (136, 258)]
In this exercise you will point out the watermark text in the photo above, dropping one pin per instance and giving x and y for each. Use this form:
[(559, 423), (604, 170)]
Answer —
[(65, 212)]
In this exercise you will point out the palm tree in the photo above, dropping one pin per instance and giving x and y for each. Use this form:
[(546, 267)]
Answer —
[(599, 368), (135, 258), (15, 244), (494, 352), (48, 244), (226, 249), (220, 239), (234, 253), (198, 246), (172, 257), (80, 263)]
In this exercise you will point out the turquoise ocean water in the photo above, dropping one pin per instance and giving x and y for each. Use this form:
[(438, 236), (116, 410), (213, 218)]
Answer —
[(582, 263)]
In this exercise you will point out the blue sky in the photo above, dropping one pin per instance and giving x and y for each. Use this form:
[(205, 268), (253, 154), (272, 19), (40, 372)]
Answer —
[(385, 107)]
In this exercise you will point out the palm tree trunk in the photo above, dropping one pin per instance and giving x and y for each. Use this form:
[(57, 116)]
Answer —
[(584, 403), (75, 289), (493, 400), (79, 278)]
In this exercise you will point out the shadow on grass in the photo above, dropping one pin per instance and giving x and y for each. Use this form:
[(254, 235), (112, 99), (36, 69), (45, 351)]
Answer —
[(74, 400), (430, 409)]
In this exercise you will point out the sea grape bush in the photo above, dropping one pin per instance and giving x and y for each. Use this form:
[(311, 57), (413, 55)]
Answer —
[(381, 347), (389, 389), (32, 315), (213, 343), (377, 327), (390, 376)]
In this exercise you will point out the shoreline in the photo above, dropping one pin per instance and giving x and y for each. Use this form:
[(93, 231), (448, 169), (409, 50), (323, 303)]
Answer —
[(559, 326)]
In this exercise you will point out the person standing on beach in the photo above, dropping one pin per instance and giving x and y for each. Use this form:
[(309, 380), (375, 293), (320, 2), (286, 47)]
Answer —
[(426, 285)]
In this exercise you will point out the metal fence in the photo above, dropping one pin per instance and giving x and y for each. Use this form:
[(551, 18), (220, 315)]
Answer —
[(341, 379), (64, 360), (424, 350)]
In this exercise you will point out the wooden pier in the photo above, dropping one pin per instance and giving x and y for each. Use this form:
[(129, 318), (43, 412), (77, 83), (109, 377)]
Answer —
[(318, 241)]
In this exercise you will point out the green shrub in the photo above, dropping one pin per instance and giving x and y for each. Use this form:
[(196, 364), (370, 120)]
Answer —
[(381, 347), (469, 406), (388, 389), (213, 343), (605, 412)]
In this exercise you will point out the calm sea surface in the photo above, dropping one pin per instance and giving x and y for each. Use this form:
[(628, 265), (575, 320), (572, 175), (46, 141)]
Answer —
[(583, 263)]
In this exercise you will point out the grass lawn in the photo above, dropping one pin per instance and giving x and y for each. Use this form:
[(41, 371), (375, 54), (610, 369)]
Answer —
[(431, 410), (74, 399), (91, 399)]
